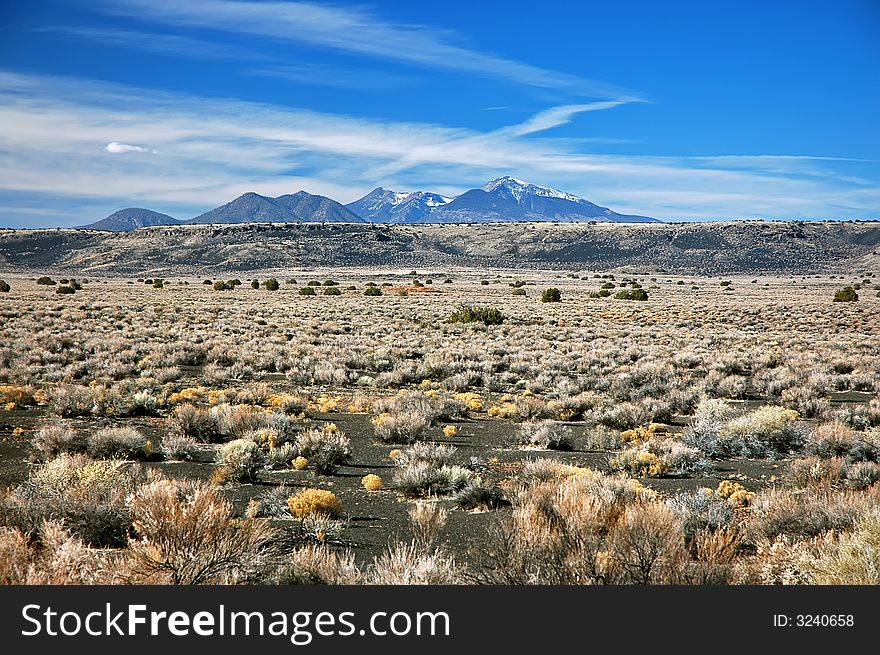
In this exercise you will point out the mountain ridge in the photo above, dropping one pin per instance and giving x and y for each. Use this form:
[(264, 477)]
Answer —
[(131, 218), (503, 199)]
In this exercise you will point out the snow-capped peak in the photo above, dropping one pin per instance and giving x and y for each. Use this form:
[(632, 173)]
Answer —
[(519, 188), (429, 199)]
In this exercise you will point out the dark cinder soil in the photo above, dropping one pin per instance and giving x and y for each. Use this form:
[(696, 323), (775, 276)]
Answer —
[(377, 519)]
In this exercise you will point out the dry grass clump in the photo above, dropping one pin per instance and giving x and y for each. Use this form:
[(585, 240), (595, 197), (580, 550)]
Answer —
[(316, 564), (312, 501), (851, 558), (372, 482), (427, 519), (410, 564), (187, 534)]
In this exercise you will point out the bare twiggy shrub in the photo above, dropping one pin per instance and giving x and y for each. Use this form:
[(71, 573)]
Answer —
[(702, 511), (120, 443), (428, 452), (52, 440), (715, 556), (646, 546), (427, 519), (178, 447), (326, 448), (556, 532), (187, 534), (88, 496), (659, 457), (68, 400), (56, 558), (409, 564), (242, 460), (405, 427), (805, 514), (193, 422), (15, 556), (545, 434), (783, 560)]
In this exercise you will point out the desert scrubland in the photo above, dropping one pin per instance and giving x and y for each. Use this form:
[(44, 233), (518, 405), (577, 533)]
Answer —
[(725, 430)]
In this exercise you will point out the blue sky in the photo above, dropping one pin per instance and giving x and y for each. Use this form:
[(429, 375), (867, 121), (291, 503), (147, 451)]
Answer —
[(679, 110)]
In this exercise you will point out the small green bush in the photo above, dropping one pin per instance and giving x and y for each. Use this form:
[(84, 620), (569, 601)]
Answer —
[(255, 284), (46, 280), (519, 292), (373, 291), (551, 295), (332, 291), (634, 294), (65, 289), (271, 284), (846, 294), (4, 286), (330, 283), (208, 282), (484, 315), (220, 285), (306, 291), (313, 283)]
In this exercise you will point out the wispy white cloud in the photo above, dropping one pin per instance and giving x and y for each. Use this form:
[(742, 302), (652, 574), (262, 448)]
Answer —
[(116, 148), (556, 116), (355, 30), (53, 132), (159, 43)]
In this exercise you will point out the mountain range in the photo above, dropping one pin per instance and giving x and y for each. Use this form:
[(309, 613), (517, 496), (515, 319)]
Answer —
[(504, 199)]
